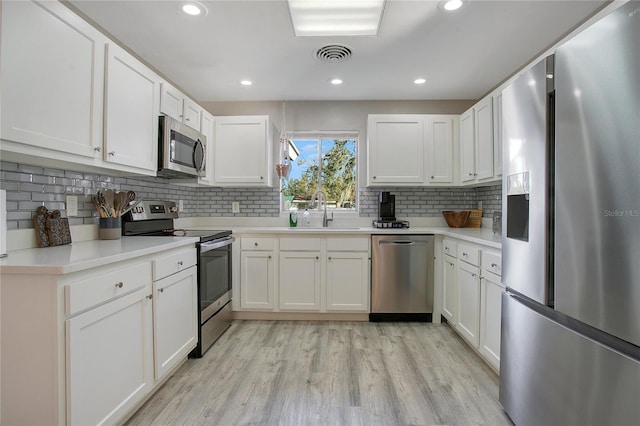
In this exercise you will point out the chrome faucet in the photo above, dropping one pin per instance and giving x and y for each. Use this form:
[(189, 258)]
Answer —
[(323, 196)]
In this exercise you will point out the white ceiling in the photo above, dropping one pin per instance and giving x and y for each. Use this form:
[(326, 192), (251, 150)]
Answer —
[(462, 54)]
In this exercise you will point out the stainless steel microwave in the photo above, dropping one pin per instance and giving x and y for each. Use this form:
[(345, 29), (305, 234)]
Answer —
[(181, 150)]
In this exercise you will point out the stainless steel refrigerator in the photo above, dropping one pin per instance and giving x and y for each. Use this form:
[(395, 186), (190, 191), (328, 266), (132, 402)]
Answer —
[(570, 348)]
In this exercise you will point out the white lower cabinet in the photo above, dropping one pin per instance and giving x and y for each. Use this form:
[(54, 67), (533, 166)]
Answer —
[(347, 281), (299, 285), (95, 337), (175, 319), (491, 311), (109, 349), (469, 302), (450, 290), (471, 295), (256, 279), (304, 274)]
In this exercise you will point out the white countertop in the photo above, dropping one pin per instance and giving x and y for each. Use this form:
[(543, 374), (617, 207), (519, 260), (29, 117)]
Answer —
[(83, 255)]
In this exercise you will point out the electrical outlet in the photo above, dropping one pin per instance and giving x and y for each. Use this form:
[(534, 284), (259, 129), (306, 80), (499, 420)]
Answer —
[(180, 205), (72, 205), (235, 207)]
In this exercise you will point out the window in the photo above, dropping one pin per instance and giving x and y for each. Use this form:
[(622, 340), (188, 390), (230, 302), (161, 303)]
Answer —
[(321, 162)]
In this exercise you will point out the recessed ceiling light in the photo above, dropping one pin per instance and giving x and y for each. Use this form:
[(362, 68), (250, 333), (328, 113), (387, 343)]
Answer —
[(194, 9), (335, 81), (453, 5), (246, 82), (336, 17), (419, 81)]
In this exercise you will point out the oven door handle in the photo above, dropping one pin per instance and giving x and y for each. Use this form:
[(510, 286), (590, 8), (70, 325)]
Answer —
[(205, 247)]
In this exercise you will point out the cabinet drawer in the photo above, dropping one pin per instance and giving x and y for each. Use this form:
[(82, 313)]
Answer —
[(105, 286), (492, 262), (173, 262), (469, 254), (257, 244), (348, 244), (306, 244), (450, 247)]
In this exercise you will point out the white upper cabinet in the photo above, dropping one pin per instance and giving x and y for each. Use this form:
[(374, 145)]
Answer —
[(467, 146), (497, 133), (176, 105), (395, 149), (131, 112), (243, 151), (52, 68), (480, 145), (412, 149), (439, 132), (484, 139), (206, 128)]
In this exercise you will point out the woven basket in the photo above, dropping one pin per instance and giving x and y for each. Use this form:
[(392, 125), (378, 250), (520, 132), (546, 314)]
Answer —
[(474, 220), (456, 219)]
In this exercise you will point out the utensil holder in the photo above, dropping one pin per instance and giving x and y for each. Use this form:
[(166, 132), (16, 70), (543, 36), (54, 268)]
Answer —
[(110, 228)]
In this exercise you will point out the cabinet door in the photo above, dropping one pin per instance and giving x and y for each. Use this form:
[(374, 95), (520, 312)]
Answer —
[(175, 319), (131, 112), (171, 101), (395, 149), (300, 280), (450, 290), (497, 135), (192, 114), (439, 135), (490, 321), (347, 281), (484, 139), (109, 359), (467, 146), (469, 302), (241, 151), (256, 280), (206, 128), (52, 69)]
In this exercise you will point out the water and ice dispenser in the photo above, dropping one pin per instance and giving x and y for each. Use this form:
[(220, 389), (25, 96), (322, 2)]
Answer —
[(518, 192)]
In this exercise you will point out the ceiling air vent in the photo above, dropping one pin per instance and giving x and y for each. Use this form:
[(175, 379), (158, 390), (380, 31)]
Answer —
[(333, 53)]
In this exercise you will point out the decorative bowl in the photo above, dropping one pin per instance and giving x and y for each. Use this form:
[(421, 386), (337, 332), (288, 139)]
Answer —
[(456, 219)]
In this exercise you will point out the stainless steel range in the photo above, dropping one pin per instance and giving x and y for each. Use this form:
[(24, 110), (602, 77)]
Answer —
[(155, 218)]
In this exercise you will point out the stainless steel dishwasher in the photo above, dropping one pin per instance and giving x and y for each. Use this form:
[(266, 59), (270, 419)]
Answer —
[(402, 277)]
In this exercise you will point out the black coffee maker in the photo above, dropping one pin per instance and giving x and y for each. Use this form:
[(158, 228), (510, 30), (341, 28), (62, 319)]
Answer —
[(386, 207)]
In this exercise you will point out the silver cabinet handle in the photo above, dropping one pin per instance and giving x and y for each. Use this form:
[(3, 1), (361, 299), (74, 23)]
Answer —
[(120, 284), (161, 290), (150, 296), (464, 254), (317, 257), (329, 258), (470, 174), (97, 149), (180, 263), (112, 153), (187, 119), (255, 244), (493, 265), (375, 177), (269, 257), (261, 178), (474, 275), (446, 249)]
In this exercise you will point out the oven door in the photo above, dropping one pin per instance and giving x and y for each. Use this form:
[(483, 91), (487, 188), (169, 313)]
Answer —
[(214, 279)]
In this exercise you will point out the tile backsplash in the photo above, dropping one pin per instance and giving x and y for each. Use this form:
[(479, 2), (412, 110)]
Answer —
[(29, 187)]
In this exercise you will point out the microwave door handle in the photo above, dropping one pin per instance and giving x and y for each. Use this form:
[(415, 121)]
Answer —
[(198, 150)]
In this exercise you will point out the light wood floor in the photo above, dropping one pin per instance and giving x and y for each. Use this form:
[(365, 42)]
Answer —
[(330, 373)]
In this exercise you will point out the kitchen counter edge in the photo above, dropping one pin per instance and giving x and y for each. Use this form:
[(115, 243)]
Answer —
[(83, 255), (483, 236)]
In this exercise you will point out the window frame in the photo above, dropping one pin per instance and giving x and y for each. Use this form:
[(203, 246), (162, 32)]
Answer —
[(319, 136)]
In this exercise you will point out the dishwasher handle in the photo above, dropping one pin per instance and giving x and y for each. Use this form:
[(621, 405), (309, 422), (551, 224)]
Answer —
[(402, 242)]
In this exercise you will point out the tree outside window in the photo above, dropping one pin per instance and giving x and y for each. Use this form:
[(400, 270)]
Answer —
[(326, 163)]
